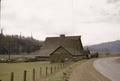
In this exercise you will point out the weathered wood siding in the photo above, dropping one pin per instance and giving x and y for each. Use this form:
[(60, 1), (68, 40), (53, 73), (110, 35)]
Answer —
[(60, 55)]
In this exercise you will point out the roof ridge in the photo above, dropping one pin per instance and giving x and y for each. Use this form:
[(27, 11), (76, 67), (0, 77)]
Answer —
[(65, 36)]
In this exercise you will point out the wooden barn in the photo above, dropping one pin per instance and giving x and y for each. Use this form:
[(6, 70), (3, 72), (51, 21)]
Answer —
[(62, 49)]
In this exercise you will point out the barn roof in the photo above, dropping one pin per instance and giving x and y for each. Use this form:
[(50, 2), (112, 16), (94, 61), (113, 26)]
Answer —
[(70, 43)]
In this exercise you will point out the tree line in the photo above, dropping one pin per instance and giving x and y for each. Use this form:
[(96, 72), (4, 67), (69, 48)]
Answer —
[(18, 44)]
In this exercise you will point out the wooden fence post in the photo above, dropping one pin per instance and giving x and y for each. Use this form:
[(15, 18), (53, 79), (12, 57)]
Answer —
[(51, 70), (40, 71), (46, 71), (57, 67), (54, 68), (24, 76), (12, 76), (61, 66), (33, 74)]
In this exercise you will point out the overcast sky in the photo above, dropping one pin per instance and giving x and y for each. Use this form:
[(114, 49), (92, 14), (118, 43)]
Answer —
[(95, 20)]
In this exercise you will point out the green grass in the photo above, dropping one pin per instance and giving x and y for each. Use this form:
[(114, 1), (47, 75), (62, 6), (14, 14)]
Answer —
[(18, 69), (68, 70)]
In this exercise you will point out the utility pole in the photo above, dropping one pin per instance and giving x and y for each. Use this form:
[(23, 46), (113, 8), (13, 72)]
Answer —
[(20, 35), (1, 40), (0, 11), (72, 11), (72, 4), (9, 50), (1, 31), (31, 36)]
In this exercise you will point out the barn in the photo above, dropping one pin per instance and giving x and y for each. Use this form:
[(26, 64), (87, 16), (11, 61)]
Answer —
[(62, 48)]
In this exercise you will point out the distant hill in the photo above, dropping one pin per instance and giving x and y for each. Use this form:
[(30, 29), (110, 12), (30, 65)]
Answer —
[(106, 47)]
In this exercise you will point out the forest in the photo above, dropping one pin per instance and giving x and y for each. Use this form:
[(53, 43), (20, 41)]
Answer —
[(14, 44)]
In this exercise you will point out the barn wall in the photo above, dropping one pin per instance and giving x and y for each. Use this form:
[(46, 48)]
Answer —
[(60, 55)]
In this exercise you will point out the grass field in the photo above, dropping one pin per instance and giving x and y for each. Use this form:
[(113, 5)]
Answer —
[(18, 69), (68, 70)]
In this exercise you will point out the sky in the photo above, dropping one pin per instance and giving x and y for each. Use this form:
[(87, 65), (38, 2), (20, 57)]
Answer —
[(95, 21)]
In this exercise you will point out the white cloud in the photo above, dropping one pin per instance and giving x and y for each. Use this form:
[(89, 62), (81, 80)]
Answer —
[(47, 17)]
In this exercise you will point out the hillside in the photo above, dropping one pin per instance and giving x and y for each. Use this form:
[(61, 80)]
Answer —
[(106, 47)]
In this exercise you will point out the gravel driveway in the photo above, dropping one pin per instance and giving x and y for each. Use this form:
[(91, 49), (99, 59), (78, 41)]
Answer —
[(86, 72)]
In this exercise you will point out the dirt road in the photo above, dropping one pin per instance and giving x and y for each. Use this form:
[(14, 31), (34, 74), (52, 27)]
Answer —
[(109, 67), (86, 72)]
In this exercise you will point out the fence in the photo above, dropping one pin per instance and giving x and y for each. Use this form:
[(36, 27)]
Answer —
[(44, 72)]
